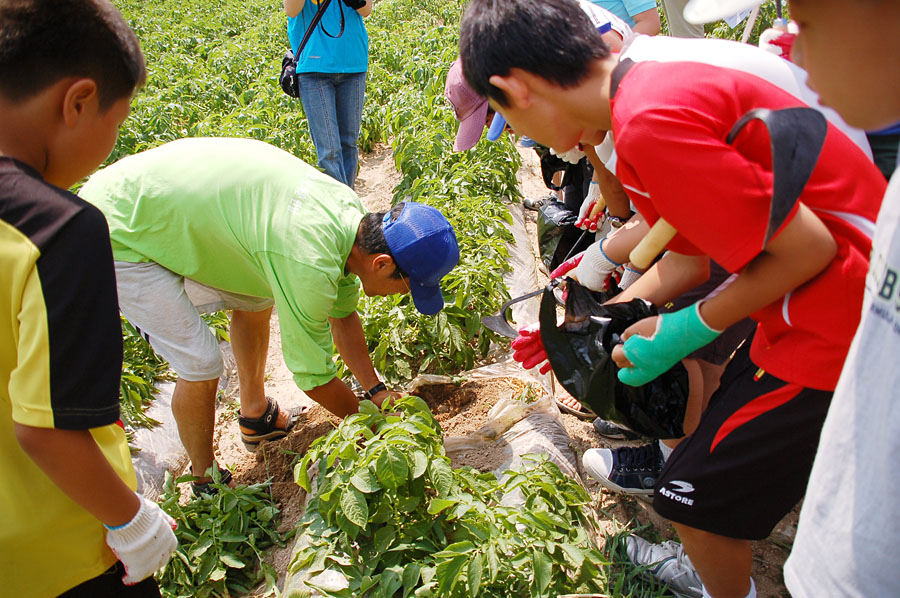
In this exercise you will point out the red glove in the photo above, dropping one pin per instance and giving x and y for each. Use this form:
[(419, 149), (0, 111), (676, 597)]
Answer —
[(567, 266), (528, 349)]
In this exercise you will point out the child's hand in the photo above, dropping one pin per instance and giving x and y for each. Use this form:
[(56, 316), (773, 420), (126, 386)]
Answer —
[(654, 345), (595, 268), (145, 543), (528, 349), (585, 220)]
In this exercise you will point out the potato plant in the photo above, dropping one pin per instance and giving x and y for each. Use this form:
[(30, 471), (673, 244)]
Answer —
[(221, 539), (396, 520)]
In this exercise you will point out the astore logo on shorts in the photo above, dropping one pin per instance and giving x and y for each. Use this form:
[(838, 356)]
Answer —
[(679, 486), (682, 486)]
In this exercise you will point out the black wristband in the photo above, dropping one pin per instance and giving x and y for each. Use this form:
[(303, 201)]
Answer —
[(355, 4), (369, 394)]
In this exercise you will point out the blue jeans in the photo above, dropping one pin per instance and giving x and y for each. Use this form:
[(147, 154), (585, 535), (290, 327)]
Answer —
[(333, 103)]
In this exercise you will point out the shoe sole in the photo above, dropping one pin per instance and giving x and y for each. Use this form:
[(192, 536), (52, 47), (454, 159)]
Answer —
[(251, 441), (610, 485)]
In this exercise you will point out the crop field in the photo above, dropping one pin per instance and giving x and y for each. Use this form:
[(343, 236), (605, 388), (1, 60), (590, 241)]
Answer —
[(386, 509)]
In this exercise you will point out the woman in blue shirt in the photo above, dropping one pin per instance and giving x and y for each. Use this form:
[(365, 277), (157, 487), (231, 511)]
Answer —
[(332, 77)]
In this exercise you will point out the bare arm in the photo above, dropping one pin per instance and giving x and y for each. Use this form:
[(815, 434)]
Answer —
[(613, 40), (350, 341), (647, 22), (803, 249), (73, 461), (618, 244), (292, 8), (335, 396), (617, 202), (367, 9), (667, 279)]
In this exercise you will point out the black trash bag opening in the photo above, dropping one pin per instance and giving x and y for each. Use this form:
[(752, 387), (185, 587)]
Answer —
[(579, 351)]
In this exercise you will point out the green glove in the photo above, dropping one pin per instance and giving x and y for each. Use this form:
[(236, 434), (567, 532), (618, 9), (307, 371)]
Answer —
[(678, 333)]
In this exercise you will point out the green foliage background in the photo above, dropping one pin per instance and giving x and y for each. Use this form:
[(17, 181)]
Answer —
[(212, 71)]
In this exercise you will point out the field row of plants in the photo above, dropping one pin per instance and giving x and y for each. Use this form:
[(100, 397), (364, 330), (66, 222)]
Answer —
[(212, 71), (391, 515)]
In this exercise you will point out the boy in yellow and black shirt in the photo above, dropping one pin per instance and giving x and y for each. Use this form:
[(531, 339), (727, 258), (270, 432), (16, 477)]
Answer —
[(72, 523)]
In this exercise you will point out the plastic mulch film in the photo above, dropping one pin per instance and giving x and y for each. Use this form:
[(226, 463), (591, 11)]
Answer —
[(523, 277), (160, 449), (516, 428)]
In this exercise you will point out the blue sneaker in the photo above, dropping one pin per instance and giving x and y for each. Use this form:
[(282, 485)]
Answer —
[(527, 142)]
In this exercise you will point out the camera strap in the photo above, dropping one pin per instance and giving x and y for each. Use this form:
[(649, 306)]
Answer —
[(312, 26)]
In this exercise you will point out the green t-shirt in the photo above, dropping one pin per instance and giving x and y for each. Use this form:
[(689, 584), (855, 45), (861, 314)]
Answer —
[(242, 216)]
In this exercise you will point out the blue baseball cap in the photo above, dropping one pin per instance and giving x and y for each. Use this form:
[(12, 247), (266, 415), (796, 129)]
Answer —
[(424, 246)]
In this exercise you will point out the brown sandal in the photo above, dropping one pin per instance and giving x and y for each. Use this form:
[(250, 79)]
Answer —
[(264, 427)]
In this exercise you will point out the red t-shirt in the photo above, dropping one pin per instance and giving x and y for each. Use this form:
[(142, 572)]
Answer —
[(670, 121)]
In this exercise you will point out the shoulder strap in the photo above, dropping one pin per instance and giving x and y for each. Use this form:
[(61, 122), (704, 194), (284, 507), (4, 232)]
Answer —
[(309, 30)]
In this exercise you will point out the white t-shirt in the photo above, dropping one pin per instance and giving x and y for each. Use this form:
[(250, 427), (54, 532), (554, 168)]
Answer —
[(849, 529), (600, 16)]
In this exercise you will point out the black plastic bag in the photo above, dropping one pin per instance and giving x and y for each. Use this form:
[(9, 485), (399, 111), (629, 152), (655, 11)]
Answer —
[(579, 353), (553, 220)]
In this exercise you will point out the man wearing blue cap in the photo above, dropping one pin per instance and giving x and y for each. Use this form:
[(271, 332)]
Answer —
[(205, 224)]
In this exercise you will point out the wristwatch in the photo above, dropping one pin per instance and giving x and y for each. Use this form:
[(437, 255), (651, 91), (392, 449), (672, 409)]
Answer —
[(615, 221), (369, 394)]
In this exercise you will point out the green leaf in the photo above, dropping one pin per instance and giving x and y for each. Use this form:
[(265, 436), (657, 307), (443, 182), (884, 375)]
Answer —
[(410, 578), (354, 506), (365, 481), (369, 408), (440, 504), (301, 478), (232, 561), (390, 583), (441, 476), (392, 468), (543, 570), (448, 573), (384, 537), (420, 463), (574, 554), (474, 575), (217, 574)]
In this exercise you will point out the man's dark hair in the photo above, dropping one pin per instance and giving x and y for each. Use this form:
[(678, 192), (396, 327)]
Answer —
[(370, 236), (553, 39), (44, 41)]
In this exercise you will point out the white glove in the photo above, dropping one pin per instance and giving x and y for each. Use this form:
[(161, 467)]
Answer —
[(587, 205), (629, 276), (145, 543), (594, 269), (572, 156)]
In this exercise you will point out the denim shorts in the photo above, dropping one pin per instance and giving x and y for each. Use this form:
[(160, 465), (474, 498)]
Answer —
[(166, 309)]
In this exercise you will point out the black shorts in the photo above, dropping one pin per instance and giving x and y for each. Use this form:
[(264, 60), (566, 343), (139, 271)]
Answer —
[(749, 460), (109, 583)]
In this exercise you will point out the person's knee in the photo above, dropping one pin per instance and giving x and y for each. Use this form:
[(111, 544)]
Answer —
[(205, 367)]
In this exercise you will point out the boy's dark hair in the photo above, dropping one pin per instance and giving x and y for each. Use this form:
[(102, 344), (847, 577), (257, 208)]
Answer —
[(43, 41), (370, 236), (553, 39)]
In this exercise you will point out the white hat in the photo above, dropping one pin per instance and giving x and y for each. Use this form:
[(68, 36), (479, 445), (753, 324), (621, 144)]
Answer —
[(706, 11)]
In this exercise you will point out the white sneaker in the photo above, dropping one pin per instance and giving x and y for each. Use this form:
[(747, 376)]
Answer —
[(668, 563)]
